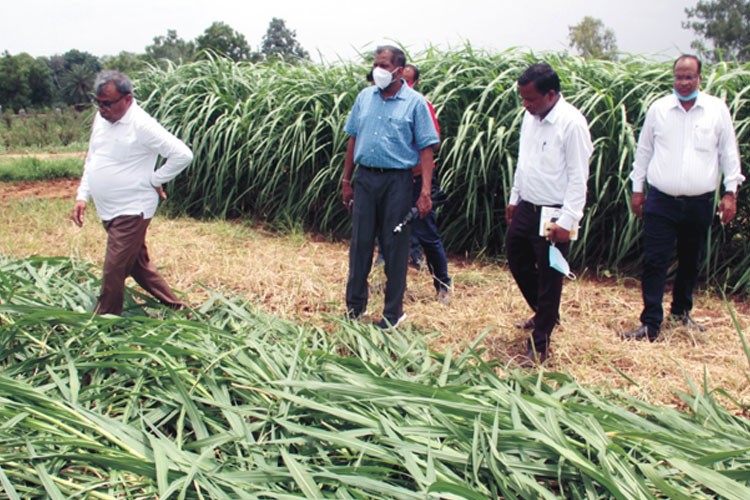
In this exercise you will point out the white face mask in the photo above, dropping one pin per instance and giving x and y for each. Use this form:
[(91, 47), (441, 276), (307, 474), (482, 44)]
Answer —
[(382, 77), (558, 262)]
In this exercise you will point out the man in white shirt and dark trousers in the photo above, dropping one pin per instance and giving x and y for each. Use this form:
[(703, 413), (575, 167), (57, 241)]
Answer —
[(687, 142), (119, 174), (553, 166)]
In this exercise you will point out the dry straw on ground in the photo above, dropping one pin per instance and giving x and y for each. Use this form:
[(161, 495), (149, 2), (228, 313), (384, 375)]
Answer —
[(301, 277)]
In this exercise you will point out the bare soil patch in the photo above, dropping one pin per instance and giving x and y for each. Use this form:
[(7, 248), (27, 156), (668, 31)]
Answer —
[(57, 188), (51, 188)]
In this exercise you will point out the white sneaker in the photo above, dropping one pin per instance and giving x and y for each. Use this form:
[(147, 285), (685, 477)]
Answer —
[(385, 324)]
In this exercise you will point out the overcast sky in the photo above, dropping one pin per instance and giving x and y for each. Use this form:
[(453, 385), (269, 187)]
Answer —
[(332, 30)]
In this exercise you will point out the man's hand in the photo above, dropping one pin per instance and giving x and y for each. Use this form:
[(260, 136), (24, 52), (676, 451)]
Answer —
[(79, 210), (424, 204), (162, 194), (557, 234), (636, 204), (509, 213), (727, 208), (347, 194)]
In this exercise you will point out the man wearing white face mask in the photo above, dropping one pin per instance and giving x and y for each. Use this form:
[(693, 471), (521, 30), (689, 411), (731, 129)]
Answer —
[(553, 166), (390, 131), (686, 144)]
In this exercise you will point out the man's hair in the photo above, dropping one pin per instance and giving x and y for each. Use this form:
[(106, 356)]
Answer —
[(414, 69), (397, 55), (688, 56), (121, 81), (543, 76)]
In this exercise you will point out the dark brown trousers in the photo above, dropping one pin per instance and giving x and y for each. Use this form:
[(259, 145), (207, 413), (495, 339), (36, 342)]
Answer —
[(127, 255)]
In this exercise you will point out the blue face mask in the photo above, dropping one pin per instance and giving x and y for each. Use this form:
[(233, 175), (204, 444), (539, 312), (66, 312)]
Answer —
[(558, 262), (686, 98)]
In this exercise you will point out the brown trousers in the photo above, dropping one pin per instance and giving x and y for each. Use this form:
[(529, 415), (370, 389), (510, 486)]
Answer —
[(127, 255)]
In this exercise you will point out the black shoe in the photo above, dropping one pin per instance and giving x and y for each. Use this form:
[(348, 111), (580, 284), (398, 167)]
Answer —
[(687, 321), (352, 315), (529, 324), (533, 358), (641, 333), (416, 263), (525, 325)]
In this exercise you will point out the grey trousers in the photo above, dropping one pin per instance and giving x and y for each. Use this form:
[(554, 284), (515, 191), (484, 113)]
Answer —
[(382, 197), (127, 255)]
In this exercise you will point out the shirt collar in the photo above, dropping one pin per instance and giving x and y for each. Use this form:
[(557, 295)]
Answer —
[(677, 104), (551, 116), (397, 95), (128, 116)]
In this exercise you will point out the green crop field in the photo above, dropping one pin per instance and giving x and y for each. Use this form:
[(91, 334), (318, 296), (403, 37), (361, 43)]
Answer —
[(269, 145), (265, 392)]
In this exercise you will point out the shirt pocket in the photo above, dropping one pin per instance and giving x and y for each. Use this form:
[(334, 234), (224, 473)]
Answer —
[(704, 138), (399, 130), (551, 155)]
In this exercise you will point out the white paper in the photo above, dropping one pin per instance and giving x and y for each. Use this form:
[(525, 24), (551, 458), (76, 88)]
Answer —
[(550, 215)]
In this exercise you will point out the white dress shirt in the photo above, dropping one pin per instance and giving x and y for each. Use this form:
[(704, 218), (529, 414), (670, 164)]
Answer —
[(553, 162), (119, 169), (680, 152)]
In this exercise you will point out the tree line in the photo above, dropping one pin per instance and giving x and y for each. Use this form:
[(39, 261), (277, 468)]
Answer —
[(28, 82), (721, 27)]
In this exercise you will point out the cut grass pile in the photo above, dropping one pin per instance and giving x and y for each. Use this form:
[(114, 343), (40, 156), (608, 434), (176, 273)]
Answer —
[(233, 402), (301, 278)]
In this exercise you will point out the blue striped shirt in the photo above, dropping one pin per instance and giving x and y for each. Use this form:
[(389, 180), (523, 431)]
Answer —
[(390, 133)]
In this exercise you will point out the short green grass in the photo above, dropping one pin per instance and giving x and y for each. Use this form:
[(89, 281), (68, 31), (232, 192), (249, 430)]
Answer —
[(29, 168)]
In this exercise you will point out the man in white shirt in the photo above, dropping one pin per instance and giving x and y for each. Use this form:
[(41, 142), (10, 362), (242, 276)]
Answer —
[(119, 174), (687, 142), (553, 167)]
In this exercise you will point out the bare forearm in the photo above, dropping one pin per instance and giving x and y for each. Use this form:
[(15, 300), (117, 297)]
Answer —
[(427, 161)]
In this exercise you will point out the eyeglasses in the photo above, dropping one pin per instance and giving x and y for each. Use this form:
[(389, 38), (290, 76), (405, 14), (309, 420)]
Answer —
[(107, 104)]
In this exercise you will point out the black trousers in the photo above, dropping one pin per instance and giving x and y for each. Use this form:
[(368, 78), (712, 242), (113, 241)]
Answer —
[(668, 221), (382, 197), (426, 233), (528, 257)]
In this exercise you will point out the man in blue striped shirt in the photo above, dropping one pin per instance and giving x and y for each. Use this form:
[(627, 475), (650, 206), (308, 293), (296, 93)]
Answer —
[(390, 131)]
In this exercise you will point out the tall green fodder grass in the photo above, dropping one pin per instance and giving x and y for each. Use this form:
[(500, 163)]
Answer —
[(235, 403), (269, 144), (266, 137)]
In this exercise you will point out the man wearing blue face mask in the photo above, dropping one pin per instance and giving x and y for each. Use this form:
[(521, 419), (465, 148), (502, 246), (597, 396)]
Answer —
[(390, 132), (553, 166), (687, 142)]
